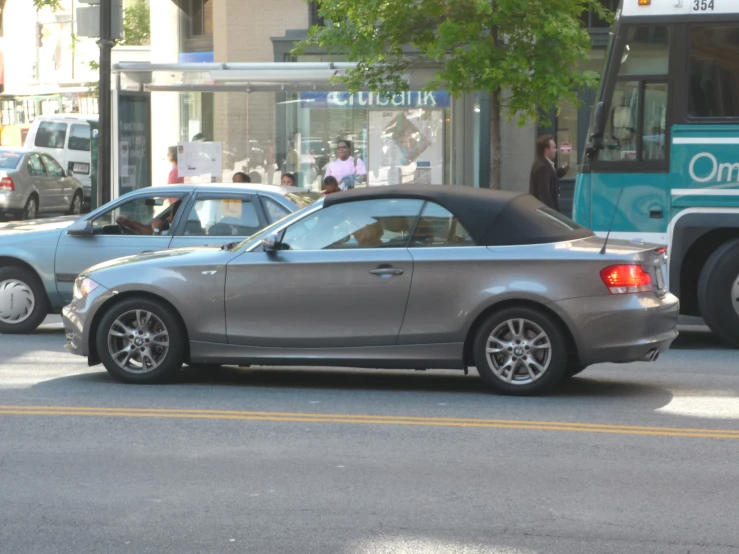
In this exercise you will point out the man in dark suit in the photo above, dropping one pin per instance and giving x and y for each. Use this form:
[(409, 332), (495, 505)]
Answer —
[(544, 180)]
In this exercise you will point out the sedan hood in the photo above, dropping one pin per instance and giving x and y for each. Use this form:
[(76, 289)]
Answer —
[(52, 224)]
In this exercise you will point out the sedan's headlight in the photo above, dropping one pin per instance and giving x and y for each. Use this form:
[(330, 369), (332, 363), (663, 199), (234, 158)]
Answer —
[(83, 286)]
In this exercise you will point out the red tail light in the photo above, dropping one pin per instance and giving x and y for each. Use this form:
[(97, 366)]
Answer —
[(6, 183), (625, 279), (662, 250)]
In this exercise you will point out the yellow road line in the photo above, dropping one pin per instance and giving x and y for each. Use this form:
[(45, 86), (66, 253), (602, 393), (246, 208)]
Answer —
[(369, 420)]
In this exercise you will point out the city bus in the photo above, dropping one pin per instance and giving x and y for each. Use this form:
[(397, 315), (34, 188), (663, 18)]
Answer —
[(661, 163)]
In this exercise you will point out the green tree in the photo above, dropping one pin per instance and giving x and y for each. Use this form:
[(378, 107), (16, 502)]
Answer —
[(136, 24), (524, 53)]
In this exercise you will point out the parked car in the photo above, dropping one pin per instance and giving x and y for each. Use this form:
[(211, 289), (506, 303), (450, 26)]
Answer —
[(403, 277), (39, 260), (70, 139), (32, 182)]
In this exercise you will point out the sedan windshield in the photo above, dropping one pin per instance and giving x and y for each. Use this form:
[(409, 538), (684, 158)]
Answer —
[(9, 160)]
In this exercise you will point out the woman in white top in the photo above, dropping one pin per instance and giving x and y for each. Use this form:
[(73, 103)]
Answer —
[(347, 169)]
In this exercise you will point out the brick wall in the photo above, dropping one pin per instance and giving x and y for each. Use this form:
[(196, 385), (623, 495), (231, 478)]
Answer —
[(244, 29)]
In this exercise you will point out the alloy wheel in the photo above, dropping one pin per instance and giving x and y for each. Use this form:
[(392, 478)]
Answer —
[(518, 351), (138, 341), (17, 301)]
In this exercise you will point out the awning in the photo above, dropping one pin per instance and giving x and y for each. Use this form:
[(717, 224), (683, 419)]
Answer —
[(241, 77)]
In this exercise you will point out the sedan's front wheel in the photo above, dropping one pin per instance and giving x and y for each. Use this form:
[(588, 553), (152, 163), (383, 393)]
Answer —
[(141, 341), (520, 351)]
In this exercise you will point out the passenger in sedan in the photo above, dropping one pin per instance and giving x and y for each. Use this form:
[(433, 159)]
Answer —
[(158, 226)]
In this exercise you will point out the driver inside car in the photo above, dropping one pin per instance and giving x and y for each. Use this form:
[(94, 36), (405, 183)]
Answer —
[(158, 226)]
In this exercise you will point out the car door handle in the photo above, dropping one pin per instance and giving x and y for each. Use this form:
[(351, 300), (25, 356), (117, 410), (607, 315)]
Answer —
[(386, 271)]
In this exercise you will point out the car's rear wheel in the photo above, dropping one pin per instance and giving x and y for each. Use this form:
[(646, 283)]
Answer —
[(141, 341), (23, 301), (718, 292), (30, 211), (520, 351), (75, 208)]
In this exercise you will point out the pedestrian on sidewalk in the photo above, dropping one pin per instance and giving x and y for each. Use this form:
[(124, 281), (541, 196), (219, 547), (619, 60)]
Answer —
[(545, 176), (241, 177), (331, 185)]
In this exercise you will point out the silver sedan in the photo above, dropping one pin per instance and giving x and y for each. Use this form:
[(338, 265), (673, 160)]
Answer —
[(407, 277), (33, 182)]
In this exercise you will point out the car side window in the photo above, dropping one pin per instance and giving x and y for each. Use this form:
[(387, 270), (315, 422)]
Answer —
[(236, 216), (439, 227), (35, 167), (384, 223), (52, 166), (143, 215), (275, 211), (79, 137)]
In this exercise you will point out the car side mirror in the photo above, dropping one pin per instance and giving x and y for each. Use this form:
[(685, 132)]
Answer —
[(271, 242), (70, 173), (80, 228), (599, 120)]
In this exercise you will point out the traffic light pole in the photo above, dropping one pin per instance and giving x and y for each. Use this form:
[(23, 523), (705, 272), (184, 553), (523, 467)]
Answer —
[(105, 151)]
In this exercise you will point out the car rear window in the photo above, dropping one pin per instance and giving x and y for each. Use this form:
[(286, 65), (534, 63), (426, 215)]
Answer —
[(527, 221), (557, 219), (9, 160), (51, 134)]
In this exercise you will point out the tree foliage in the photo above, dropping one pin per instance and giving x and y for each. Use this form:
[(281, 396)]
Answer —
[(528, 48), (53, 4), (136, 24), (136, 20)]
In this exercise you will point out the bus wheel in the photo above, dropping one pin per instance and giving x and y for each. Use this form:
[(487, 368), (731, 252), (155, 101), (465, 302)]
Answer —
[(718, 292)]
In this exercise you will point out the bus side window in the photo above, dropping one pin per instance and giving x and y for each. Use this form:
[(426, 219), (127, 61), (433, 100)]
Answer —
[(640, 88), (713, 85)]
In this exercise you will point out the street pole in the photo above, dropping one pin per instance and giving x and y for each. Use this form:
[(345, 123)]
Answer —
[(106, 43)]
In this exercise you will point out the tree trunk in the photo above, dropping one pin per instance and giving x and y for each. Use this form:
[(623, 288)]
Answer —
[(495, 140)]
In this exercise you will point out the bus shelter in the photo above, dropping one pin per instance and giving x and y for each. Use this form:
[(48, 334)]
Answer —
[(268, 119)]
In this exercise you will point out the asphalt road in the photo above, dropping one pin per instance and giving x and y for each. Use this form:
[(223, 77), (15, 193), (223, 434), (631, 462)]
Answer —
[(624, 459)]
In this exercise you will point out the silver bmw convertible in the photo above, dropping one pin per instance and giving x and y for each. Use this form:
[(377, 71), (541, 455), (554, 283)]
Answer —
[(405, 277)]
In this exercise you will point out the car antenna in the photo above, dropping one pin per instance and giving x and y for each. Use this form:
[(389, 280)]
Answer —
[(613, 218)]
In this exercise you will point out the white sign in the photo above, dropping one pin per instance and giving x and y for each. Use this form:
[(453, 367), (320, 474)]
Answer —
[(565, 148), (197, 159), (406, 146)]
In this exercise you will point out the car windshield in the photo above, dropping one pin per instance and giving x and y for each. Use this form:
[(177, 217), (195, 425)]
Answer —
[(9, 160), (303, 199), (248, 241)]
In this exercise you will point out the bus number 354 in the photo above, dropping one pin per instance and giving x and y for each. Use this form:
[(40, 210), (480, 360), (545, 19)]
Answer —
[(702, 5)]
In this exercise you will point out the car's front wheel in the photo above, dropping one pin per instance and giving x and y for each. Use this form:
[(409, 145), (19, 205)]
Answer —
[(141, 341), (23, 301), (520, 351)]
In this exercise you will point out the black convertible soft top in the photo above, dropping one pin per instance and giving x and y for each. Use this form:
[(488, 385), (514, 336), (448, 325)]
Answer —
[(491, 217)]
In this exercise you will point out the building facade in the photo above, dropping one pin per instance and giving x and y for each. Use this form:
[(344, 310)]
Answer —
[(418, 136)]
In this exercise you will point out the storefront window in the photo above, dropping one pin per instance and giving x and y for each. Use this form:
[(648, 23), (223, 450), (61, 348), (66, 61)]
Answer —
[(399, 138)]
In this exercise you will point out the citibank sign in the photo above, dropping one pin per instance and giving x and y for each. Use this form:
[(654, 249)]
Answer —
[(404, 100), (712, 170)]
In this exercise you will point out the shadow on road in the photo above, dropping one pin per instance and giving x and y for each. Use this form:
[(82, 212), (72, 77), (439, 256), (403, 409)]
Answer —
[(293, 379), (698, 339)]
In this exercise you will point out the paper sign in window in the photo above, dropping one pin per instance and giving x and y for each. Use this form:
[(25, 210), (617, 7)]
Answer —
[(231, 208)]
